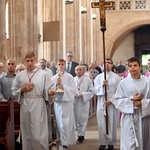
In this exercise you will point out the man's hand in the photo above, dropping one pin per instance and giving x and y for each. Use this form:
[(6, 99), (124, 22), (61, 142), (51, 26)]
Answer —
[(107, 102), (51, 92), (27, 87), (105, 82), (79, 95), (137, 103), (137, 97), (59, 84)]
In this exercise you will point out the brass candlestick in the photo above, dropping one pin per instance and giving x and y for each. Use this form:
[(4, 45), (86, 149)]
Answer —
[(59, 90)]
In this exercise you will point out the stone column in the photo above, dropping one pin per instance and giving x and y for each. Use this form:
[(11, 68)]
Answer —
[(73, 19), (23, 28), (52, 11), (2, 30), (73, 29), (87, 34)]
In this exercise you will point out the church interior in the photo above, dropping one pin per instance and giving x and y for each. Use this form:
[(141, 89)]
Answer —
[(51, 28)]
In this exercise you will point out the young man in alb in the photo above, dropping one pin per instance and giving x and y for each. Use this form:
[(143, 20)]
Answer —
[(132, 98), (30, 89), (111, 83), (64, 90)]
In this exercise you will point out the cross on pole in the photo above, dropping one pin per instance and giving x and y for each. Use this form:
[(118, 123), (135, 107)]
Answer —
[(102, 5)]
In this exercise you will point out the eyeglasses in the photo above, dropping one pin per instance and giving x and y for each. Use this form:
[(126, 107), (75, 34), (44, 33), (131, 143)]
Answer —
[(108, 62), (69, 56), (10, 64), (61, 64)]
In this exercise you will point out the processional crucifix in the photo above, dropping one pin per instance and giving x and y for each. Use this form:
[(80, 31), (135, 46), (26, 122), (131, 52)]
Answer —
[(102, 5)]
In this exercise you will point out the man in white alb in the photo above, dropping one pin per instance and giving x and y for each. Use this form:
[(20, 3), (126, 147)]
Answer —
[(132, 98), (64, 91), (82, 101), (111, 82), (30, 89)]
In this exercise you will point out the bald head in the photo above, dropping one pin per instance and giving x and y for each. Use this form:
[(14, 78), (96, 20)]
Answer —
[(80, 70), (10, 62), (1, 67), (10, 66)]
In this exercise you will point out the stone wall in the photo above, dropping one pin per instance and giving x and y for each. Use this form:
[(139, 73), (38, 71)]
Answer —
[(82, 33), (79, 32)]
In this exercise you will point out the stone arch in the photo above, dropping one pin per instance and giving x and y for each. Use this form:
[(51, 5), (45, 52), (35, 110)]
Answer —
[(121, 34)]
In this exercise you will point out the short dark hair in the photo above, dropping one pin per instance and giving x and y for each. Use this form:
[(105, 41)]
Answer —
[(42, 59), (86, 65), (109, 59), (134, 59), (29, 54), (61, 60)]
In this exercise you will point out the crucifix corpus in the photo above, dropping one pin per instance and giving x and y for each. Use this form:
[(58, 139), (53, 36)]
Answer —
[(102, 5)]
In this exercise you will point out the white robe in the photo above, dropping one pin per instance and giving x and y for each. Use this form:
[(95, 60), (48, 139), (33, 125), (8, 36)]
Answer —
[(33, 112), (82, 105), (63, 106), (132, 119), (49, 71), (113, 114)]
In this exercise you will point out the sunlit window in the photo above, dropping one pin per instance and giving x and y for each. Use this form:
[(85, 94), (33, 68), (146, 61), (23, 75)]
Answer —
[(7, 21)]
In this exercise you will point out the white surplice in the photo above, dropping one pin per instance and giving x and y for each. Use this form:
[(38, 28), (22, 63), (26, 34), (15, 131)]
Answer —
[(113, 114), (135, 122), (63, 106), (33, 112), (82, 105)]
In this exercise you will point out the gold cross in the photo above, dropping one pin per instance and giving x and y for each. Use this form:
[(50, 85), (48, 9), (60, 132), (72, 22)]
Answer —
[(102, 5)]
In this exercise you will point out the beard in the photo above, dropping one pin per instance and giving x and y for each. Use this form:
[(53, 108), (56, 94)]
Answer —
[(43, 67)]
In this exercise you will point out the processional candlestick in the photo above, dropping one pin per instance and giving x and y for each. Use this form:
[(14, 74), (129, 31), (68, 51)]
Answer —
[(102, 5)]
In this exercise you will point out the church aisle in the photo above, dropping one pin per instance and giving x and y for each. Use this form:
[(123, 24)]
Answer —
[(91, 141)]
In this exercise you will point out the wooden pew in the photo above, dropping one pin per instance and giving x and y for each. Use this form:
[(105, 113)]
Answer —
[(53, 131), (7, 136), (9, 123), (18, 146), (16, 117)]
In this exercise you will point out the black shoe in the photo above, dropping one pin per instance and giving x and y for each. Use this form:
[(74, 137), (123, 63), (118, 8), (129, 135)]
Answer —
[(80, 139), (65, 147), (110, 147), (102, 147)]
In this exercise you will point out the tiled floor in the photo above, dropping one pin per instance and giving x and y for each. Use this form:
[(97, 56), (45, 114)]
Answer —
[(91, 141)]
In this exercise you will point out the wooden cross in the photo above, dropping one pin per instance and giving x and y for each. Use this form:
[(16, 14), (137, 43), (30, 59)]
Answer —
[(102, 5)]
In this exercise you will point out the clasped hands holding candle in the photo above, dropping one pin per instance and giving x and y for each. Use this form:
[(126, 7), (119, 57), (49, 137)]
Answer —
[(59, 86)]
